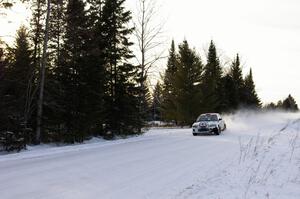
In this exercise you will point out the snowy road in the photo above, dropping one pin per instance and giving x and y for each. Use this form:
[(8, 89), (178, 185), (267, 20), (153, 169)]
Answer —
[(164, 163)]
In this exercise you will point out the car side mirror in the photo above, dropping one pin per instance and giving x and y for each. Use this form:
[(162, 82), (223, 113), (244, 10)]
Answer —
[(220, 119)]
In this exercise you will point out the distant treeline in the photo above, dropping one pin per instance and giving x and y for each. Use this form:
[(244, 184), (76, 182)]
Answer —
[(190, 86), (288, 104)]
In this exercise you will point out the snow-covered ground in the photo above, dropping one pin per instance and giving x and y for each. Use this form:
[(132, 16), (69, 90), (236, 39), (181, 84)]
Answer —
[(258, 156)]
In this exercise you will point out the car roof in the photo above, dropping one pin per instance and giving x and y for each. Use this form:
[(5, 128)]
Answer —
[(217, 114), (210, 114)]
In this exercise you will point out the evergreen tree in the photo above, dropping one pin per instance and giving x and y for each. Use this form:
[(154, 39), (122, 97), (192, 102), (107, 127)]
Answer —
[(16, 79), (36, 35), (83, 52), (290, 104), (270, 106), (121, 100), (2, 63), (169, 111), (53, 109), (71, 75), (95, 11), (3, 85), (38, 9), (212, 81), (251, 98), (228, 96), (279, 104), (156, 102), (143, 95), (236, 91), (37, 30), (95, 70), (187, 89), (56, 32)]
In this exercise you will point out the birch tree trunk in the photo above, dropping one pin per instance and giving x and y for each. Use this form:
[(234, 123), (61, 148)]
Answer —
[(42, 77)]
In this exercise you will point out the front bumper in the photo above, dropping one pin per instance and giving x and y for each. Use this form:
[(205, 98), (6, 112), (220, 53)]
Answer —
[(204, 130)]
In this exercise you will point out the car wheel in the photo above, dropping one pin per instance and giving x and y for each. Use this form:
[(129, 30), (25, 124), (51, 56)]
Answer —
[(194, 134), (217, 131)]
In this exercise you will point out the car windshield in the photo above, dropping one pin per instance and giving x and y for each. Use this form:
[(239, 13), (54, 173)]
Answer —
[(207, 118)]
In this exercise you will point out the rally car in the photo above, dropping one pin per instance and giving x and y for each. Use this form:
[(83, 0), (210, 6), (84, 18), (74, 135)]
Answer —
[(209, 123)]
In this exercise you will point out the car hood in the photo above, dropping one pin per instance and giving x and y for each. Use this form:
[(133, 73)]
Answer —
[(205, 123)]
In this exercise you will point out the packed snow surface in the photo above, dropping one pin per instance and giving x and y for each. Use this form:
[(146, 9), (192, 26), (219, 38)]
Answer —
[(258, 156)]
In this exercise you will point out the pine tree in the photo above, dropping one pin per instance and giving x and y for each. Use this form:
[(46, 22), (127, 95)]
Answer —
[(56, 32), (71, 75), (270, 106), (95, 11), (237, 90), (156, 102), (37, 35), (279, 104), (290, 104), (187, 89), (15, 70), (3, 86), (228, 94), (212, 84), (42, 77), (95, 67), (251, 98), (168, 105), (38, 10), (83, 64), (53, 92), (2, 62), (16, 80), (121, 102)]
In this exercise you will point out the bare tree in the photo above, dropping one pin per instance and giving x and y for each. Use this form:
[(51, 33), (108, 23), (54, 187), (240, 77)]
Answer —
[(148, 34), (149, 38), (42, 76)]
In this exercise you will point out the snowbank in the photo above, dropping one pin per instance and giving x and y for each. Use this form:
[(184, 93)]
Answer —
[(268, 162)]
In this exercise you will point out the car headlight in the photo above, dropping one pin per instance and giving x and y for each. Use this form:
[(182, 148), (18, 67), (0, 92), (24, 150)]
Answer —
[(194, 126)]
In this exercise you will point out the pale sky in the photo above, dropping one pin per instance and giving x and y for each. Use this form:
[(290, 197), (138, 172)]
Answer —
[(266, 34), (12, 20)]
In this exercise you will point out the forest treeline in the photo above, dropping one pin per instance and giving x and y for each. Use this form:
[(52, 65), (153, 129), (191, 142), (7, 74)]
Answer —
[(92, 86), (288, 104), (191, 86)]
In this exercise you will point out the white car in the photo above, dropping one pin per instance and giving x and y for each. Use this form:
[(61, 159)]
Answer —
[(209, 123)]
